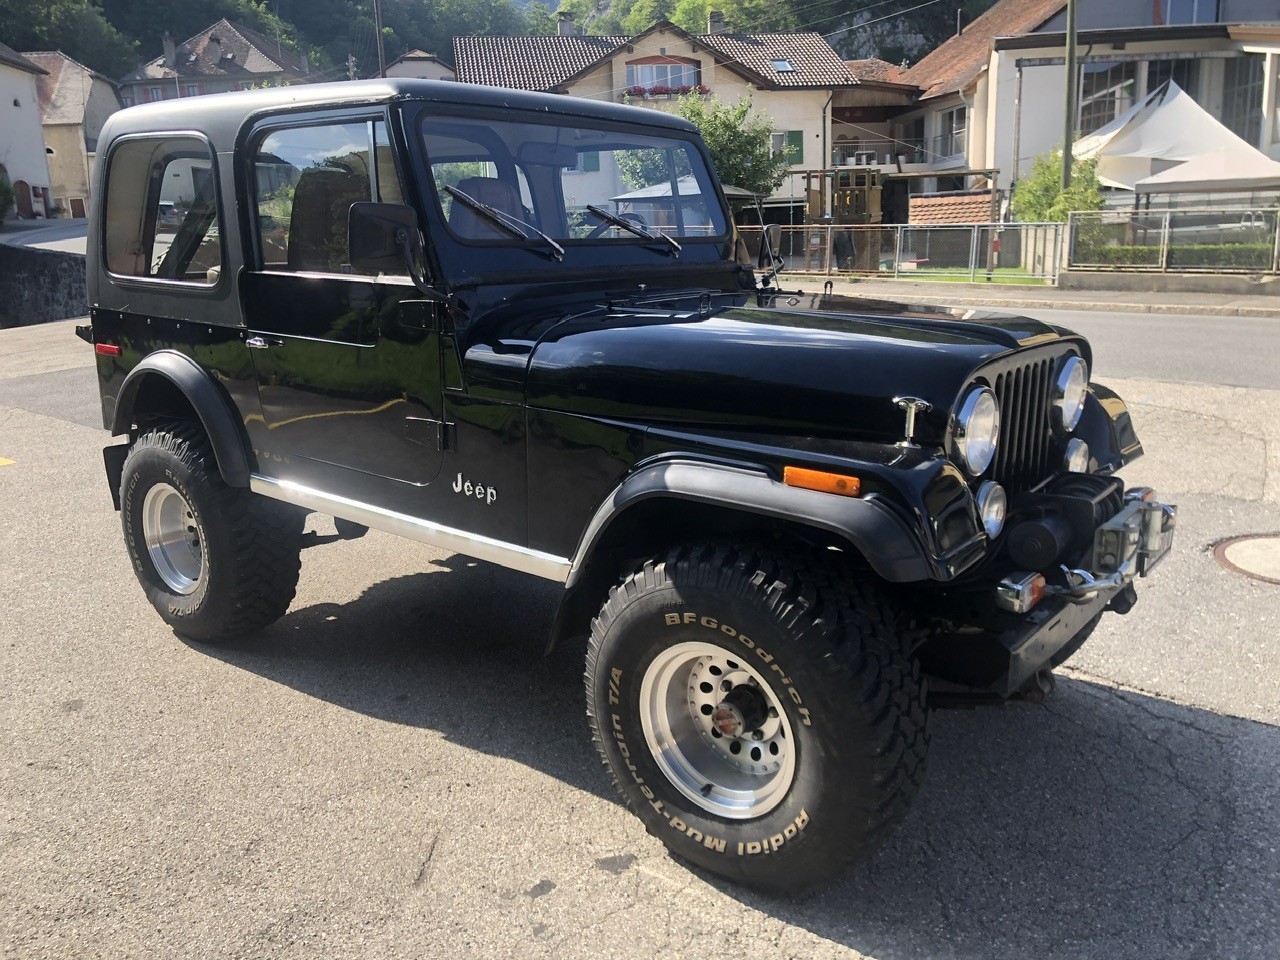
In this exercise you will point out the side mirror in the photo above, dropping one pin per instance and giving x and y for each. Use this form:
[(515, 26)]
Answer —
[(380, 234), (770, 246)]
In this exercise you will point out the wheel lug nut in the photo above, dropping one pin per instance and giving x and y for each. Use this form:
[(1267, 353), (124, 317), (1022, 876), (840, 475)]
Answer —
[(726, 686), (773, 713), (757, 735)]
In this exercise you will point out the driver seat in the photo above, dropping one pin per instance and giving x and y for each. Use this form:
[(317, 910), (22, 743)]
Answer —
[(498, 194)]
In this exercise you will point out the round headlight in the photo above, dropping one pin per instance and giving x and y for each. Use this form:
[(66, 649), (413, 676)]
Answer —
[(977, 429), (1077, 458), (992, 507), (1069, 392)]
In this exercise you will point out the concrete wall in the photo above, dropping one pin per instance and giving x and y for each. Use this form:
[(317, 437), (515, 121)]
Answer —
[(21, 137), (74, 145), (102, 103), (39, 286), (68, 164)]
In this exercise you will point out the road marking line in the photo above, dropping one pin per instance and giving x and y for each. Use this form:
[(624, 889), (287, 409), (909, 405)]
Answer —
[(7, 463)]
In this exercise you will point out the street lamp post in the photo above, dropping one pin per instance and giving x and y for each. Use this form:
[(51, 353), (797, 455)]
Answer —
[(1069, 122)]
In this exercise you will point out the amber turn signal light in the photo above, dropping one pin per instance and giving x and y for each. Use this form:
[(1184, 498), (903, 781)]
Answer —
[(822, 481)]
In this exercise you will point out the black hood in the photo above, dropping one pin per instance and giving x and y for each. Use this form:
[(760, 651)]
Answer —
[(784, 368)]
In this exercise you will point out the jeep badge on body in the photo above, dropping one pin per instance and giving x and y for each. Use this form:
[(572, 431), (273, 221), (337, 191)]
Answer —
[(789, 524)]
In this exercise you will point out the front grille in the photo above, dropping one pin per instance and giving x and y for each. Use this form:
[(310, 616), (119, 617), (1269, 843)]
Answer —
[(1025, 449)]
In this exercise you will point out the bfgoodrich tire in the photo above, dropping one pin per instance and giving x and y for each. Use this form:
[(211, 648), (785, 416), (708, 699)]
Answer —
[(216, 562), (759, 713)]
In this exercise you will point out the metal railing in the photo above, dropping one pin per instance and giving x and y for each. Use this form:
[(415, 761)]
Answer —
[(1176, 241), (978, 253), (867, 153)]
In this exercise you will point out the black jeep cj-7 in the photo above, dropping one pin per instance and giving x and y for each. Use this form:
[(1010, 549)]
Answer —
[(515, 326)]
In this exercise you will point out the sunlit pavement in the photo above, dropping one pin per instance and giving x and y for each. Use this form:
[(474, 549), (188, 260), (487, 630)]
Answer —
[(394, 770)]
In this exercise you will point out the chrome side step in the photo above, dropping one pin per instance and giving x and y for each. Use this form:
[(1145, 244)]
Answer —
[(414, 528)]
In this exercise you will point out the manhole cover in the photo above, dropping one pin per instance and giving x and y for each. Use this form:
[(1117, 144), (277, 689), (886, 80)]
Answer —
[(1256, 555)]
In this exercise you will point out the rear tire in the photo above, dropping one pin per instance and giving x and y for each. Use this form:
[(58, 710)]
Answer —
[(830, 722), (216, 562)]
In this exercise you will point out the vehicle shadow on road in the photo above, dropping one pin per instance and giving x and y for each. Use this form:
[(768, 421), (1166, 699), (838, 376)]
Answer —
[(1105, 823)]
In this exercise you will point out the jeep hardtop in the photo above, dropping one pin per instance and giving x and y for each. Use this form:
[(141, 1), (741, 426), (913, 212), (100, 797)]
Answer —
[(514, 326)]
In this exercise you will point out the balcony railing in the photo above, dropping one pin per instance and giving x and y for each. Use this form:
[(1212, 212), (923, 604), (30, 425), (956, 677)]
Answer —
[(871, 153)]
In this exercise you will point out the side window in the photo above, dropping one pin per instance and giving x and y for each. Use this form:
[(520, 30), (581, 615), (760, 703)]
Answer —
[(162, 211), (306, 180)]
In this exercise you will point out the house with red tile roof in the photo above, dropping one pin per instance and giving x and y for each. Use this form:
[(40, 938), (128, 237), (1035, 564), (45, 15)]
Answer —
[(222, 57), (420, 64), (796, 79), (75, 102)]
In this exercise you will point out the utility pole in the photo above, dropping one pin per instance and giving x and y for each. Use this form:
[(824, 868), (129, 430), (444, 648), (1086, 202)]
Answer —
[(1069, 123), (377, 24), (351, 66)]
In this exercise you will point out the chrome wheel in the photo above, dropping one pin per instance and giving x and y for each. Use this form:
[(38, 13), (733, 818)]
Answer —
[(717, 730), (172, 539)]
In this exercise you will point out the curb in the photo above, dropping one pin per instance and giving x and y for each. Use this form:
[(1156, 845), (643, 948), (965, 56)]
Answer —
[(1095, 306)]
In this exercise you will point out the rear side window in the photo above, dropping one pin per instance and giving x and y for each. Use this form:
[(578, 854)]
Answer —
[(162, 211), (306, 180)]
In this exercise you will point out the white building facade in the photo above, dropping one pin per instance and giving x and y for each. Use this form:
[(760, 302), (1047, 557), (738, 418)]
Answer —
[(23, 161)]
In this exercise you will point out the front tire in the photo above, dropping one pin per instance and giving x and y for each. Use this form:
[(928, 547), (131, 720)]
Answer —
[(215, 561), (714, 647)]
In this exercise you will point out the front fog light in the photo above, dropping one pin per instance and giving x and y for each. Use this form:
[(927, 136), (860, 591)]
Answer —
[(992, 505), (1077, 458)]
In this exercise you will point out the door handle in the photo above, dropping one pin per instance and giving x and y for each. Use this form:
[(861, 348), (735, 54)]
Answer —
[(262, 343)]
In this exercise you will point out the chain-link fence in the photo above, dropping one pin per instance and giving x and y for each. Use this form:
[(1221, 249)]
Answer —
[(1004, 252), (1181, 241)]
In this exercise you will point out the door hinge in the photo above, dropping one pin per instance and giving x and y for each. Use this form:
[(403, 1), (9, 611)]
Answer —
[(430, 433), (448, 437), (419, 315)]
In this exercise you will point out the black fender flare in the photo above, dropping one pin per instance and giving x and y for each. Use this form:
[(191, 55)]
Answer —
[(1108, 429), (877, 531), (884, 539), (207, 398)]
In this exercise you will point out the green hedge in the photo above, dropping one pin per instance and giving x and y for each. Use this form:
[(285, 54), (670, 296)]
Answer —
[(1204, 255)]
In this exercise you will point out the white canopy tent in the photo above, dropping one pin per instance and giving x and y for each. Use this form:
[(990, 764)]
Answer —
[(1223, 171), (1166, 131)]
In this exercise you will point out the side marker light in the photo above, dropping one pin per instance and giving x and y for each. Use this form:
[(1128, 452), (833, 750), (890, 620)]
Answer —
[(106, 349), (822, 481)]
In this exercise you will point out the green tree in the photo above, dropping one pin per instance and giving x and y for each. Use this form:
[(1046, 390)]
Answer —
[(76, 27), (740, 142), (1039, 198), (645, 13), (538, 20)]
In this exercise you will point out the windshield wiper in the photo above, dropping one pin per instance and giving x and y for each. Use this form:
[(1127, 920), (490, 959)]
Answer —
[(634, 228), (513, 225)]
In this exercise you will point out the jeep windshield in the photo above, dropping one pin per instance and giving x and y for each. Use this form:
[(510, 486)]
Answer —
[(650, 188)]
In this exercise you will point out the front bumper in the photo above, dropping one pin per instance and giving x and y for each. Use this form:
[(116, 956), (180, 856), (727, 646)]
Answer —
[(1126, 547), (1035, 619)]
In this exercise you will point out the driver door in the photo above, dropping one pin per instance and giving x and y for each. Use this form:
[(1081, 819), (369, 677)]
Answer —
[(347, 366)]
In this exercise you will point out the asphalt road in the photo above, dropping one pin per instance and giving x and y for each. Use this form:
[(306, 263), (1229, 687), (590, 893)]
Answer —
[(394, 770), (1229, 351)]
